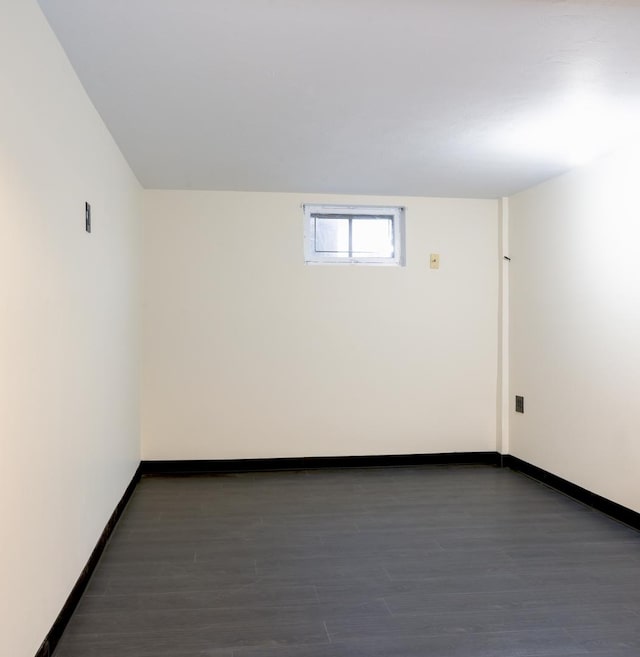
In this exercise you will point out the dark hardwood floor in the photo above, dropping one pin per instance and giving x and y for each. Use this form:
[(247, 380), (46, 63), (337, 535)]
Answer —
[(434, 561)]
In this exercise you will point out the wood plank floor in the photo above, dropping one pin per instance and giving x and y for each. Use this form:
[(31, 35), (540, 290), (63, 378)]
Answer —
[(441, 561)]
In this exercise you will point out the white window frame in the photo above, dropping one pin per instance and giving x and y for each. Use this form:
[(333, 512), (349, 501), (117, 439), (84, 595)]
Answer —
[(395, 212)]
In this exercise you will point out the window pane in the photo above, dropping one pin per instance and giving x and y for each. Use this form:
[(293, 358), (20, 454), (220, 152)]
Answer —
[(332, 235), (372, 237)]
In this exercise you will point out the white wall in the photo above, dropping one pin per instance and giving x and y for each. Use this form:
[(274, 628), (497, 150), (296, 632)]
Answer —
[(69, 427), (248, 352), (575, 326)]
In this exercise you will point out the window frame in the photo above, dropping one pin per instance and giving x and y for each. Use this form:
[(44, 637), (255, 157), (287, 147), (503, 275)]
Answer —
[(395, 212)]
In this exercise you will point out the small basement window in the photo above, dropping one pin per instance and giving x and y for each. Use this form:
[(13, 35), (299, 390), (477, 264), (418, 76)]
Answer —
[(353, 234)]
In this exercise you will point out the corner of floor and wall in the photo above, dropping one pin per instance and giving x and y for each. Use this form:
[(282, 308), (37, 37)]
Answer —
[(209, 339)]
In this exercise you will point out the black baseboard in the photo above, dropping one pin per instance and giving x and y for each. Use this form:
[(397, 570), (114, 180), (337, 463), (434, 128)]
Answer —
[(52, 638), (204, 467), (616, 511)]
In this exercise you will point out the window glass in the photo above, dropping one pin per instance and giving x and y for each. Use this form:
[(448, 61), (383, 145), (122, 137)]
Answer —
[(332, 235), (373, 237)]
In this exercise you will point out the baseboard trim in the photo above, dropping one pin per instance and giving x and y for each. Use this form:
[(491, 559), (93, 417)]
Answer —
[(55, 633), (221, 466), (612, 509)]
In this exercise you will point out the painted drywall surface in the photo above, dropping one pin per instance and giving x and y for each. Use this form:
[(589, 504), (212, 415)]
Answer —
[(575, 327), (69, 425), (248, 352), (503, 406)]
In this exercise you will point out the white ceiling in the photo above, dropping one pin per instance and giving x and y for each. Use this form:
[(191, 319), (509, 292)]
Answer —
[(468, 98)]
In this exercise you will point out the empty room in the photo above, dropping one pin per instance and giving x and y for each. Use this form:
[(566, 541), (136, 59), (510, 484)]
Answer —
[(320, 328)]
